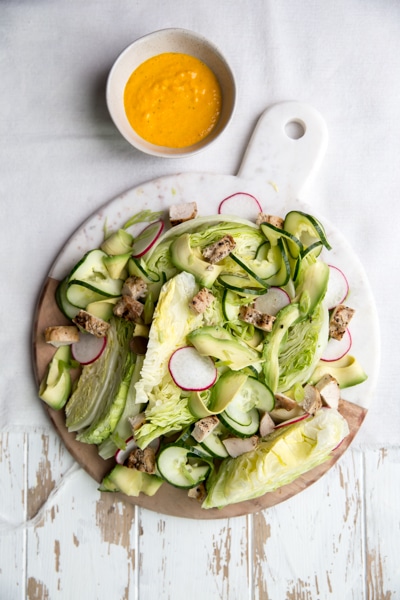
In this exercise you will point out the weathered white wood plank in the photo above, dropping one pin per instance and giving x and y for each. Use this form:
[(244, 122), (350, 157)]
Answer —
[(311, 546), (84, 547), (12, 513), (339, 538), (183, 559), (382, 519)]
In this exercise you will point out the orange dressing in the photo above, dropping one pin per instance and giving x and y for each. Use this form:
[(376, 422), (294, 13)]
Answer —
[(173, 100)]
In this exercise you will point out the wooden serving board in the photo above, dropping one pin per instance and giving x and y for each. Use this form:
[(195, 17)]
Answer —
[(275, 169)]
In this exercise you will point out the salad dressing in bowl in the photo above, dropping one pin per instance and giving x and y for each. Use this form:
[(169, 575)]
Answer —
[(173, 100)]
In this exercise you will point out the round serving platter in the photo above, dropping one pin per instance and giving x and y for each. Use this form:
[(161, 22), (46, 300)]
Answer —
[(276, 166)]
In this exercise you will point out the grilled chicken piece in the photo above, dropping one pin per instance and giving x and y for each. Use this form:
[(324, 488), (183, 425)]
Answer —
[(129, 308), (329, 390), (271, 219), (204, 427), (61, 335), (202, 300), (340, 320), (238, 446), (179, 213), (135, 287), (142, 460), (91, 324), (312, 399), (249, 314), (216, 252)]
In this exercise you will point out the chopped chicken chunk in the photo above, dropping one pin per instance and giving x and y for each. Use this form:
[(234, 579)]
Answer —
[(339, 321), (61, 335), (135, 287), (129, 308), (204, 427), (267, 424), (329, 389), (137, 421), (198, 492), (179, 213), (142, 460), (282, 401), (238, 446), (91, 324), (202, 300), (249, 314), (219, 250), (312, 399), (271, 219)]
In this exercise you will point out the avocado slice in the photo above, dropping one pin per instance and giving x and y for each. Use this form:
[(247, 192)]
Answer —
[(130, 481), (219, 343), (347, 371), (185, 258)]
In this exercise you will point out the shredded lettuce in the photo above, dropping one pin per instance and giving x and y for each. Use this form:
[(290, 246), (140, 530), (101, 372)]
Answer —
[(166, 412), (278, 460)]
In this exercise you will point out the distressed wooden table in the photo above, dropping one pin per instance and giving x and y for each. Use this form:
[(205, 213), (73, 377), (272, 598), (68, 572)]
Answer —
[(61, 158), (84, 544)]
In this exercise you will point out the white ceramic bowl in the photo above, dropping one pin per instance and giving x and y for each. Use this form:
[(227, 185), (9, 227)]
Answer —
[(158, 42)]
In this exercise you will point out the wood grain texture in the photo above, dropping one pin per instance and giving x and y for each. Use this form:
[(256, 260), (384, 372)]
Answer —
[(168, 500), (338, 539)]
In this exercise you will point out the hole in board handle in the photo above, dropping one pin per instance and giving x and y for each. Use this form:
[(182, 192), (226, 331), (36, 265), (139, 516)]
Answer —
[(295, 129)]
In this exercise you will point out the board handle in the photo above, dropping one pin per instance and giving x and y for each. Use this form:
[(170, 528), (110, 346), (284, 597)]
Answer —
[(286, 149)]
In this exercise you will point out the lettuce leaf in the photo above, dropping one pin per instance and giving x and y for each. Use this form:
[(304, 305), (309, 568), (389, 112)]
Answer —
[(99, 383), (278, 460), (295, 357), (173, 320), (166, 412)]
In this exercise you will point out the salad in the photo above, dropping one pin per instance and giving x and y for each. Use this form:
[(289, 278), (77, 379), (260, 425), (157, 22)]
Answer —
[(209, 354)]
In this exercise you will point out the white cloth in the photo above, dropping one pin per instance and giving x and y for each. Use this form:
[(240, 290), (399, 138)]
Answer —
[(61, 157)]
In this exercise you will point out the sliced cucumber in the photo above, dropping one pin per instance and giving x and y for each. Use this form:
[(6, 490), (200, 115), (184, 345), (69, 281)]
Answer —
[(274, 234), (306, 228), (260, 394), (137, 267), (91, 267), (282, 276), (230, 305), (81, 293), (213, 445), (89, 281), (182, 468), (242, 284), (260, 270), (239, 415), (68, 309), (242, 430)]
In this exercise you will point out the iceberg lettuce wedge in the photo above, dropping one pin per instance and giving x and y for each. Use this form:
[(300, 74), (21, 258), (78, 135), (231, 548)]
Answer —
[(99, 383), (172, 321), (278, 460)]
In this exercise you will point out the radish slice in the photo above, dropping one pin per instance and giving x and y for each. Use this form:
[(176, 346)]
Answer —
[(191, 371), (338, 287), (147, 238), (291, 421), (336, 349), (272, 302), (88, 349), (242, 205), (122, 454)]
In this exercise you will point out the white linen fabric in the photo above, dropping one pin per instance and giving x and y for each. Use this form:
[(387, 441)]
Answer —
[(61, 157)]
